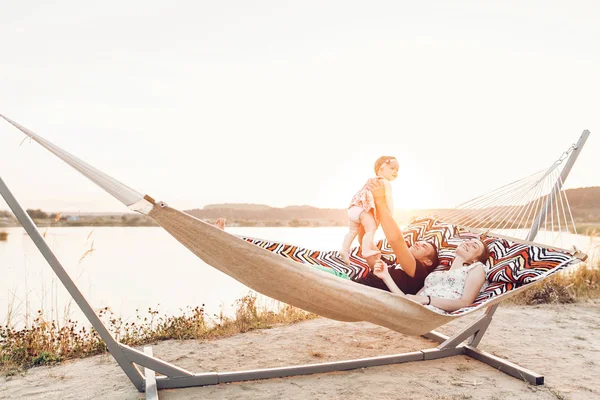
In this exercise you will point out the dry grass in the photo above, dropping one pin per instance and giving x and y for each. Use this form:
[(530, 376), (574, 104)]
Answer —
[(566, 287), (316, 354), (47, 343)]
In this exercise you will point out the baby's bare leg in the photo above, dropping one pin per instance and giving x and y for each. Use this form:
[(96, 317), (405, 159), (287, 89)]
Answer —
[(368, 222), (352, 232)]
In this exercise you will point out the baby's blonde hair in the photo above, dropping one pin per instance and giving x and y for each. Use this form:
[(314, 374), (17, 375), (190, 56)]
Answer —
[(382, 160)]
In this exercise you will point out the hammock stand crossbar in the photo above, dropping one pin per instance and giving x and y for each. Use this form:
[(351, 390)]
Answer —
[(132, 361)]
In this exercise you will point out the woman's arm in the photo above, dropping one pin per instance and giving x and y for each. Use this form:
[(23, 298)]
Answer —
[(392, 231), (388, 195), (473, 285), (380, 270)]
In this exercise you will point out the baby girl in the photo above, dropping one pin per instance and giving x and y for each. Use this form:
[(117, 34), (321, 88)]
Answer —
[(362, 209)]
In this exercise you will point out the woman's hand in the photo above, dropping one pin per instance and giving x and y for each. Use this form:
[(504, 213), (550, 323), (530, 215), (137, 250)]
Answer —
[(377, 187), (380, 270)]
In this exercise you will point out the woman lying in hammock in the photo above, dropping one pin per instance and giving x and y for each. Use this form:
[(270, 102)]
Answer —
[(452, 289), (447, 290)]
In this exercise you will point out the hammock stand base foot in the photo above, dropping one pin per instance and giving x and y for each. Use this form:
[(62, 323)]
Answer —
[(150, 378), (505, 366), (500, 364)]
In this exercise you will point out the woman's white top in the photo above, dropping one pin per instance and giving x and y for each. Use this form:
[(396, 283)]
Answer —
[(448, 284)]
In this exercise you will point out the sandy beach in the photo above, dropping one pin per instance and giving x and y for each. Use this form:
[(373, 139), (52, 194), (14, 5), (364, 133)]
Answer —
[(560, 342)]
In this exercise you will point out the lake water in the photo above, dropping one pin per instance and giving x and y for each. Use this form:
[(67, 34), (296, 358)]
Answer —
[(136, 268)]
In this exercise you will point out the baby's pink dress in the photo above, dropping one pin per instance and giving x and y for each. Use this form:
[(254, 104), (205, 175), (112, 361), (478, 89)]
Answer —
[(364, 199)]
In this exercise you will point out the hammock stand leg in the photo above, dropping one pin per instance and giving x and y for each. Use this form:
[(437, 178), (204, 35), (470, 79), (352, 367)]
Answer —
[(558, 185), (132, 372), (150, 377), (474, 332)]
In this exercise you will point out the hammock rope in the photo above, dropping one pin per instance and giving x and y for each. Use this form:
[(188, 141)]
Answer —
[(118, 190), (537, 200)]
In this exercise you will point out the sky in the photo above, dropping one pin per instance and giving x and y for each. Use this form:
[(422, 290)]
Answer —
[(290, 103)]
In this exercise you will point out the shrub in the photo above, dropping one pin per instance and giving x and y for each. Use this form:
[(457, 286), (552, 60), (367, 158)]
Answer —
[(48, 343)]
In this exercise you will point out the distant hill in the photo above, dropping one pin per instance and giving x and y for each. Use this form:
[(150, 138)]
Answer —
[(588, 197), (238, 206), (249, 214), (585, 207), (585, 203)]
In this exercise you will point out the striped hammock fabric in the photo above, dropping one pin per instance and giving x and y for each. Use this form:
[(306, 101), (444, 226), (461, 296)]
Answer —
[(511, 264), (284, 272)]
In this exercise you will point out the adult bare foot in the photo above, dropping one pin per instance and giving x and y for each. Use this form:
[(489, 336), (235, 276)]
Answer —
[(220, 223)]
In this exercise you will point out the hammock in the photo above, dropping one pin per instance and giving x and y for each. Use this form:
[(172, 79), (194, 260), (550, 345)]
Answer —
[(259, 264), (512, 264)]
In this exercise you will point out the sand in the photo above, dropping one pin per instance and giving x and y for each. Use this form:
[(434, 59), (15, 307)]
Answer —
[(561, 342)]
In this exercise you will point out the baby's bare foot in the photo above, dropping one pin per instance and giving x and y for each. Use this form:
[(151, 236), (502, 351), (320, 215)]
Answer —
[(369, 253), (345, 257)]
